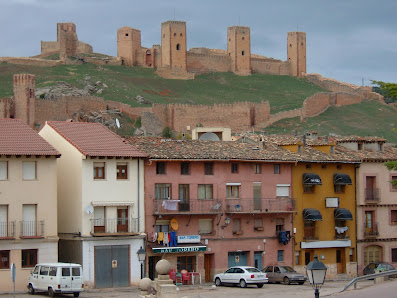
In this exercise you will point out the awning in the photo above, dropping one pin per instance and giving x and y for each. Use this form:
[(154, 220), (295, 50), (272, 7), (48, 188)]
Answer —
[(342, 214), (158, 248), (111, 203), (342, 179), (312, 214), (311, 179)]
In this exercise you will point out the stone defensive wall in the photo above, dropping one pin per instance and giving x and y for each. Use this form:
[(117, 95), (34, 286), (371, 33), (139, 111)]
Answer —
[(30, 61), (203, 63), (270, 66), (51, 47), (283, 115), (6, 107)]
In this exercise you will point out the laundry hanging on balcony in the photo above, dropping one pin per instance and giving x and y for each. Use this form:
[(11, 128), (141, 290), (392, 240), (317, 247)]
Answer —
[(341, 230), (284, 237), (170, 205)]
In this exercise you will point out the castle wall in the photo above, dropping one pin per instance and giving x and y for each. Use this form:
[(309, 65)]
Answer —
[(283, 115), (30, 61), (5, 107), (316, 104), (205, 63), (83, 47), (49, 47), (344, 99), (270, 66), (24, 98)]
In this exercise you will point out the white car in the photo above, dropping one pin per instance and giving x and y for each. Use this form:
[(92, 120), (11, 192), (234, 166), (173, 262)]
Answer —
[(241, 275)]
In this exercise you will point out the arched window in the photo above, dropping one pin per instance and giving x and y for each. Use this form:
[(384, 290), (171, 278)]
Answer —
[(178, 47), (242, 53)]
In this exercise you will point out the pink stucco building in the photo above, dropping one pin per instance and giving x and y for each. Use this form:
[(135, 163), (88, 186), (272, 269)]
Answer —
[(228, 204)]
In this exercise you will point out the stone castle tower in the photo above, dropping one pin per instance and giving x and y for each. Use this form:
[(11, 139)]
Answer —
[(128, 45), (24, 98), (173, 45), (296, 52), (239, 49), (67, 38)]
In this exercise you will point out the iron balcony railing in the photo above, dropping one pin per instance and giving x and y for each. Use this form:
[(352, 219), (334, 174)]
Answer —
[(371, 231), (114, 225), (281, 204), (7, 229), (372, 195), (32, 228), (188, 206)]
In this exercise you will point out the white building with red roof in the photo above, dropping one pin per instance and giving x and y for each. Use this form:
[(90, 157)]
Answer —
[(28, 202), (100, 202)]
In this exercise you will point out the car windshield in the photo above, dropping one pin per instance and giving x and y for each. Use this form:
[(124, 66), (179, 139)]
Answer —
[(287, 269), (250, 270)]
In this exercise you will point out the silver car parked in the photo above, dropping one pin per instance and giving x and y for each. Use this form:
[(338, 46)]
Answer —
[(284, 274), (241, 275)]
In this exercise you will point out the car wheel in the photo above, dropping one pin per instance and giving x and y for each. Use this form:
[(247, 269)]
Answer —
[(301, 282), (260, 286), (76, 294), (286, 281), (51, 292), (218, 282), (31, 289), (242, 283)]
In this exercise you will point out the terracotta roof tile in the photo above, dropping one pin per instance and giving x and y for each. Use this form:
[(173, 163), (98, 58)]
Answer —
[(94, 139), (17, 138), (387, 154), (348, 139)]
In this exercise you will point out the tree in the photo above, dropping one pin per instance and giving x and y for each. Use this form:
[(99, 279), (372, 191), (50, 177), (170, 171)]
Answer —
[(392, 166), (388, 90)]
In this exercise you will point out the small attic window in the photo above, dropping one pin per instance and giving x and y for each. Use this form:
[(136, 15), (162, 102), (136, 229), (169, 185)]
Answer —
[(178, 47), (242, 53), (126, 34), (380, 147), (360, 146), (332, 149)]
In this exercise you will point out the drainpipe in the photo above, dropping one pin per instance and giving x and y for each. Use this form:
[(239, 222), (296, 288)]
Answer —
[(139, 198), (356, 167)]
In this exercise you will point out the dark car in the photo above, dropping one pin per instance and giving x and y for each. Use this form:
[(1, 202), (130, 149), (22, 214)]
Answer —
[(376, 267), (284, 274)]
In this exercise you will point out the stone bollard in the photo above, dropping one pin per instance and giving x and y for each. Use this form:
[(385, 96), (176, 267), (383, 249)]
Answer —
[(145, 284), (164, 285)]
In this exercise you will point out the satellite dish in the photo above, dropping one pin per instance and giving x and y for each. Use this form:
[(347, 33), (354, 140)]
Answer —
[(117, 123), (89, 209), (174, 224)]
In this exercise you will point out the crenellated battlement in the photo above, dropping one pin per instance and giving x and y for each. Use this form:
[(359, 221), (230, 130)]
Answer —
[(27, 80)]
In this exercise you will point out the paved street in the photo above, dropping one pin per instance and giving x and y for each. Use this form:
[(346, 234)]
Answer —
[(330, 289)]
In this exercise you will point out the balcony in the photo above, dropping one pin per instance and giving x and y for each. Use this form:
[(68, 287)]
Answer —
[(372, 195), (341, 236), (114, 226), (372, 231), (32, 229), (7, 229), (175, 207), (278, 205), (310, 233)]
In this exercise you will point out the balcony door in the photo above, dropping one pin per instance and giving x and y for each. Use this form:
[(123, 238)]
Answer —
[(122, 219), (184, 197), (370, 184), (29, 220), (369, 222), (3, 220), (257, 195)]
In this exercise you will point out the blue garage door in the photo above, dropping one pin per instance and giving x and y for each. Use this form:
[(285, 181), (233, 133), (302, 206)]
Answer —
[(237, 259)]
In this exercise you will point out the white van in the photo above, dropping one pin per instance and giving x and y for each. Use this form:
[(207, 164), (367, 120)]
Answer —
[(65, 278)]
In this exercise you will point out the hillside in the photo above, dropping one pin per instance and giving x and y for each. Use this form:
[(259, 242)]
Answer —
[(125, 83), (369, 118)]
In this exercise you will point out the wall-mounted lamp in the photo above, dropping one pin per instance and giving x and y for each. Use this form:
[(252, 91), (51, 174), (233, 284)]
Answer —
[(227, 222)]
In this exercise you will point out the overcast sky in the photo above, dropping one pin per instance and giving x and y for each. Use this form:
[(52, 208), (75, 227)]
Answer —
[(349, 40)]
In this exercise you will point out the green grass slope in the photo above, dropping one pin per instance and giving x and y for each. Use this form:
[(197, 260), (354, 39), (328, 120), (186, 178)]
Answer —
[(369, 118), (125, 83)]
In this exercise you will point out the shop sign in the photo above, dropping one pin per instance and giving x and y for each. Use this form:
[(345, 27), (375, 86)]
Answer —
[(189, 239), (179, 249)]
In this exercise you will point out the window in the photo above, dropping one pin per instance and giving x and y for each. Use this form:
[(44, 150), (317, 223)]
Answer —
[(4, 259), (208, 168), (205, 226), (76, 271), (280, 256), (160, 168), (52, 271), (29, 220), (393, 217), (122, 171), (99, 170), (184, 196), (178, 47), (44, 270), (380, 147), (258, 224), (233, 191), (99, 219), (309, 230), (279, 225), (360, 146), (180, 34), (393, 183), (394, 255), (29, 258), (126, 34), (162, 191), (174, 34), (29, 170), (339, 188), (185, 168), (65, 271), (300, 149), (257, 168), (204, 192), (242, 38), (3, 170), (242, 53), (185, 263), (234, 168), (162, 226), (276, 169), (236, 225), (3, 220), (282, 190), (332, 149), (308, 188)]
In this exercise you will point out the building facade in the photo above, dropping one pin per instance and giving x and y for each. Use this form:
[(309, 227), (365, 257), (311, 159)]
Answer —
[(28, 202), (100, 202)]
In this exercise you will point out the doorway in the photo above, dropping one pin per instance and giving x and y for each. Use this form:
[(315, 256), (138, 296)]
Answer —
[(207, 267), (258, 260), (122, 219), (340, 261), (309, 255), (152, 267)]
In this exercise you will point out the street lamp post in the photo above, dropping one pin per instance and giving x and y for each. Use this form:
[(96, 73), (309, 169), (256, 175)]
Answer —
[(316, 271), (141, 256)]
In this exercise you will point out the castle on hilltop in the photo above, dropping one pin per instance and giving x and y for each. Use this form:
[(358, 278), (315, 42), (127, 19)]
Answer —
[(173, 60)]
